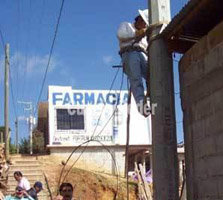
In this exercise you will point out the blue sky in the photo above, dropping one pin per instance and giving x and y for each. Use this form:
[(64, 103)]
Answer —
[(86, 47)]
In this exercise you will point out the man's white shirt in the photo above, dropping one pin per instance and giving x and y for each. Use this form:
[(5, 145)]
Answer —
[(24, 183), (127, 30)]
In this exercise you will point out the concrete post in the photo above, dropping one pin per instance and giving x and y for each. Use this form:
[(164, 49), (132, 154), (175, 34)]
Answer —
[(164, 145)]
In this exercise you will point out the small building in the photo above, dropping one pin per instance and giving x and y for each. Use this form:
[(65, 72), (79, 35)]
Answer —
[(94, 122)]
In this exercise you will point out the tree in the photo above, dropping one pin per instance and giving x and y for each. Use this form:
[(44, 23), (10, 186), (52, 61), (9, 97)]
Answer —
[(24, 146), (38, 142)]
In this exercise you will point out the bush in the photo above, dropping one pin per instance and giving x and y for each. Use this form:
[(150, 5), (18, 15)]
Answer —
[(24, 146)]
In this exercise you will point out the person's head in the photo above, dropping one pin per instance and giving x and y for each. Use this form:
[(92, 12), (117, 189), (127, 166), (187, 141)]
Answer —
[(18, 175), (19, 192), (38, 186), (139, 23), (66, 190), (142, 20)]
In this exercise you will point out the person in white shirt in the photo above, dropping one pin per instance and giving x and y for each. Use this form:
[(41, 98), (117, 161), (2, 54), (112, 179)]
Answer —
[(133, 46), (22, 181)]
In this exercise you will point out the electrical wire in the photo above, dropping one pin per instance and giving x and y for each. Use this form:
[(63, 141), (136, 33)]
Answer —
[(50, 55), (17, 52), (97, 121), (116, 106), (113, 81), (2, 40), (12, 93), (104, 125), (38, 36), (11, 88), (87, 142), (107, 149), (24, 85)]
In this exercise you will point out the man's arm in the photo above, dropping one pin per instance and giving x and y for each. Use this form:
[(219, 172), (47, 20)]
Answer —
[(126, 33), (27, 195)]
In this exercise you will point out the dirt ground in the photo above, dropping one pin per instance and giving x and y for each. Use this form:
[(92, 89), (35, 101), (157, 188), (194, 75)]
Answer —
[(89, 185)]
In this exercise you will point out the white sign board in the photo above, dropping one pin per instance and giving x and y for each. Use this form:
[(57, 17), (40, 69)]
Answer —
[(76, 116)]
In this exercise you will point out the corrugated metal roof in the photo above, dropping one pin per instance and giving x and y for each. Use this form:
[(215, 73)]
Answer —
[(194, 21), (181, 15)]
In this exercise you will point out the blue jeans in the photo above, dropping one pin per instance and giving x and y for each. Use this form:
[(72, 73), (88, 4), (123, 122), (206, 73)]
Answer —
[(135, 67)]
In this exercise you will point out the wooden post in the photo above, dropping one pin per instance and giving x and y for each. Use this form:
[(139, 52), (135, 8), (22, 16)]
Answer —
[(6, 106), (164, 145), (127, 143), (146, 186)]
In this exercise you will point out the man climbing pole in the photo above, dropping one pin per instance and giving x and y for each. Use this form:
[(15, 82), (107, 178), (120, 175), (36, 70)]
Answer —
[(133, 45)]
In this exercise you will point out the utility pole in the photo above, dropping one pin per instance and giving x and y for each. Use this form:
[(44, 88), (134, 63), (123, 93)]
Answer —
[(17, 135), (164, 145), (30, 122), (6, 106), (31, 133)]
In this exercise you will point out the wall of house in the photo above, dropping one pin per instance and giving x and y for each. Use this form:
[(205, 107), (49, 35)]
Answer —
[(201, 77), (98, 158)]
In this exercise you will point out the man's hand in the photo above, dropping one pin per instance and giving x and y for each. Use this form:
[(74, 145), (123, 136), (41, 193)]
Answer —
[(141, 33)]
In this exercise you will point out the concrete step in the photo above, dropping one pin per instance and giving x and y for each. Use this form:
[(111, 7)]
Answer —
[(21, 167), (27, 171), (31, 169), (30, 177), (27, 162), (21, 157)]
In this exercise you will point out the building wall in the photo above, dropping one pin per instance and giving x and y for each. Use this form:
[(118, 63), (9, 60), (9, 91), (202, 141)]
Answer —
[(104, 111), (201, 77), (108, 160)]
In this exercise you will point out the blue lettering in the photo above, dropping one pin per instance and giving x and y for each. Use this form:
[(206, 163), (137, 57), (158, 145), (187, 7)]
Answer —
[(67, 99), (89, 98), (55, 97), (78, 97), (100, 99), (108, 99)]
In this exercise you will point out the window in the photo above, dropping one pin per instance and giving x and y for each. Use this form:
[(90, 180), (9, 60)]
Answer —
[(70, 119)]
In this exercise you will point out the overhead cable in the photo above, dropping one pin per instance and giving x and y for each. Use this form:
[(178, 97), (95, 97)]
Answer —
[(50, 55), (11, 88)]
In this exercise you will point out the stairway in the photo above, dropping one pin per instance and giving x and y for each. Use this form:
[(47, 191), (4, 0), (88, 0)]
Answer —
[(31, 169)]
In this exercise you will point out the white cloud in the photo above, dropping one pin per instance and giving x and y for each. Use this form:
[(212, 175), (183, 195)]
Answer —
[(30, 66), (33, 64), (107, 59)]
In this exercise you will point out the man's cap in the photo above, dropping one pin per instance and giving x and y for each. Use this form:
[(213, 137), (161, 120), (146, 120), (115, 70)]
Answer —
[(38, 184), (19, 188), (145, 15)]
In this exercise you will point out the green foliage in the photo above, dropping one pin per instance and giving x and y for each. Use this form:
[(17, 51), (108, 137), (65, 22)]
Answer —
[(24, 146), (38, 143)]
